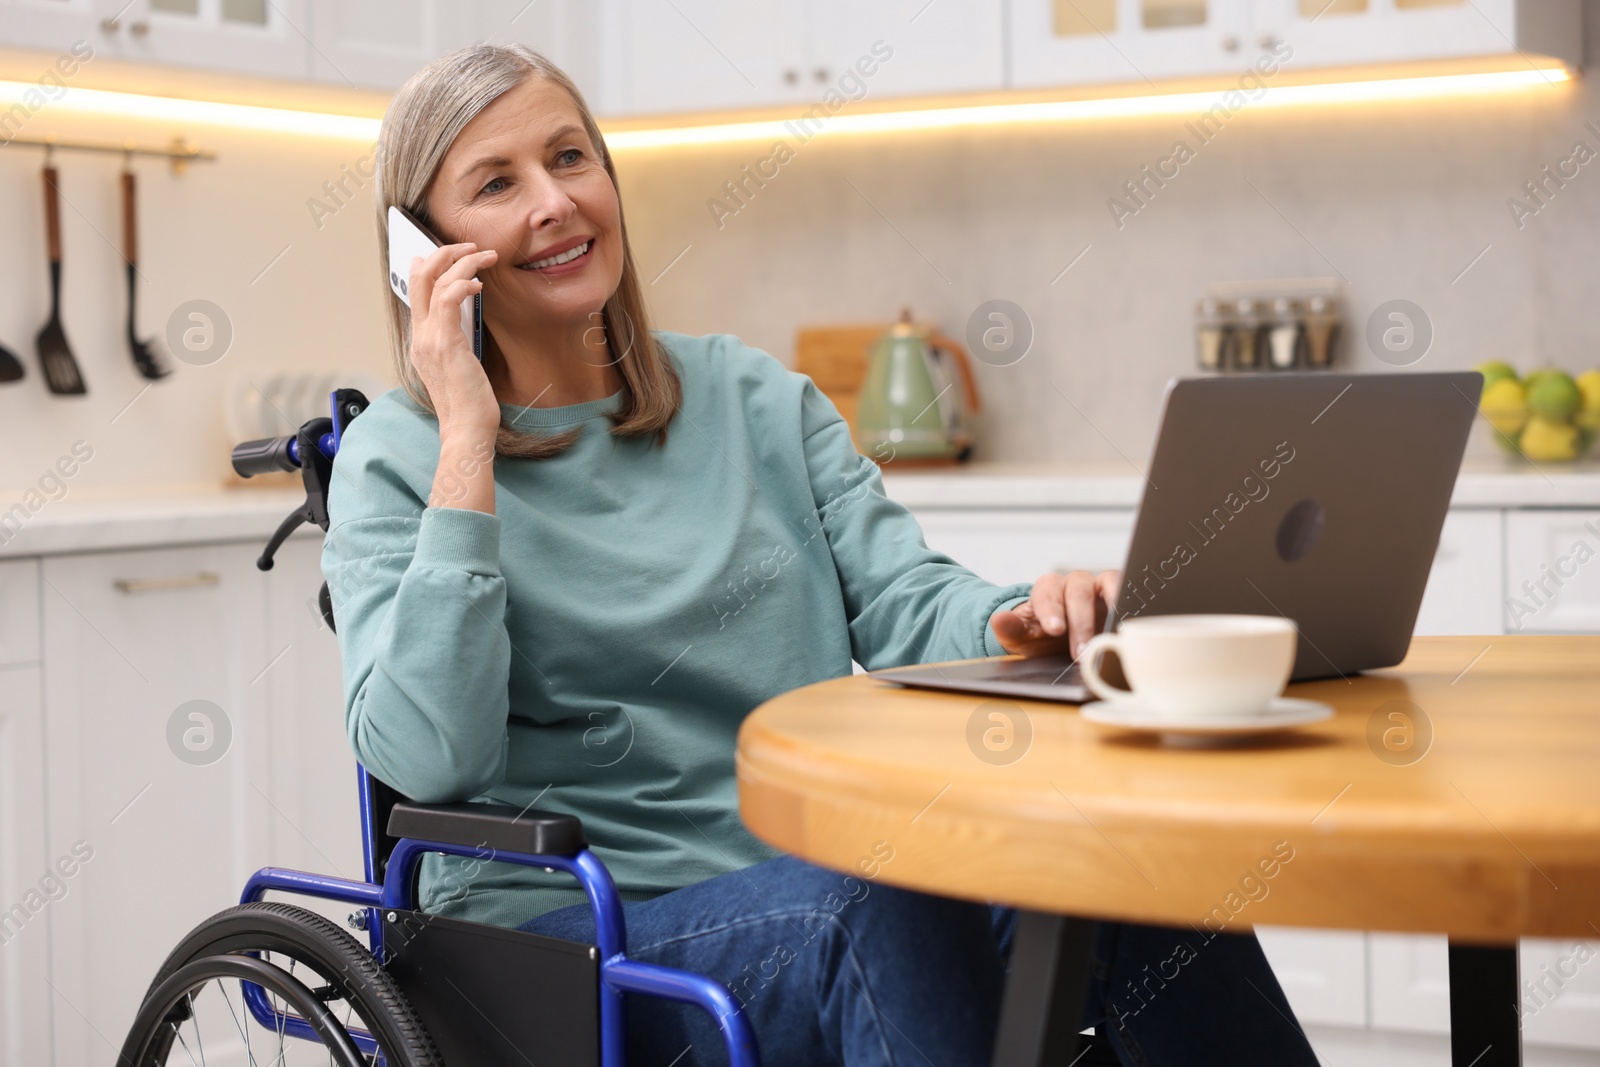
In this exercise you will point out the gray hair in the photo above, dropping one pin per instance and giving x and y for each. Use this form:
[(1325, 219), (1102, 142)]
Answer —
[(422, 122)]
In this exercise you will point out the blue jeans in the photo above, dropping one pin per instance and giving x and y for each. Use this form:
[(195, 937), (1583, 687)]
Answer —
[(837, 969)]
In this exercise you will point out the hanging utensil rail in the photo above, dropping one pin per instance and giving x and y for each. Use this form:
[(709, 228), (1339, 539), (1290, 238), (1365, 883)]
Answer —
[(180, 152)]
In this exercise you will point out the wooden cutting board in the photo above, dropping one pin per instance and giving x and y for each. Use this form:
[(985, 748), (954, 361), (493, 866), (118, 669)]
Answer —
[(835, 358)]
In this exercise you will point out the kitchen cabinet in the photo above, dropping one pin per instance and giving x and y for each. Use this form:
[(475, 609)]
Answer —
[(1464, 594), (311, 769), (155, 764), (1018, 545), (1084, 42), (29, 886), (1342, 32), (244, 36), (705, 55), (53, 25), (1560, 982), (1323, 972), (1552, 571), (701, 55), (1077, 42), (934, 47), (378, 44)]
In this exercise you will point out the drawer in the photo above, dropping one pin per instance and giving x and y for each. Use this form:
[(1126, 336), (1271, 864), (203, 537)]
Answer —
[(1553, 571), (19, 611)]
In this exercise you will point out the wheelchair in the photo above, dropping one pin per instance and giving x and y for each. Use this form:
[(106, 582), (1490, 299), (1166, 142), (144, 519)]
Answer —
[(426, 989)]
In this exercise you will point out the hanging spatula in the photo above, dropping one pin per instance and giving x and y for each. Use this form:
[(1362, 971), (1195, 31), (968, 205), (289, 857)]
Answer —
[(60, 369), (145, 356), (10, 366)]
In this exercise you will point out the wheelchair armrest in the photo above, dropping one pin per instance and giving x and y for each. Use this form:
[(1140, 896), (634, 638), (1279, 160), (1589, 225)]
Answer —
[(497, 826)]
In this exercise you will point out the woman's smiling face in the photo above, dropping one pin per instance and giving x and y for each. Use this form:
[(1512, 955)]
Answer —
[(524, 179)]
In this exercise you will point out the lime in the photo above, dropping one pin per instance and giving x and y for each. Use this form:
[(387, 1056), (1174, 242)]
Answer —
[(1545, 440), (1505, 405), (1495, 370), (1554, 396)]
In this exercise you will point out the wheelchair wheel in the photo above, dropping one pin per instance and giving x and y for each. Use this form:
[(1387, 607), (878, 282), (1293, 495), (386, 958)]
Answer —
[(195, 1008)]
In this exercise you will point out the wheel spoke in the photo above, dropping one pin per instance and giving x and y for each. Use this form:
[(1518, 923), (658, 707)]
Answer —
[(201, 1045), (243, 1031), (179, 1035)]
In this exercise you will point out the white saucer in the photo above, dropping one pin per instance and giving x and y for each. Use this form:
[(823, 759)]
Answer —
[(1130, 713)]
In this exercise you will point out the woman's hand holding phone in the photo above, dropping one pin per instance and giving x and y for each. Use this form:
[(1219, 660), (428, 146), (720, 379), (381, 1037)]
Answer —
[(463, 400), (440, 352)]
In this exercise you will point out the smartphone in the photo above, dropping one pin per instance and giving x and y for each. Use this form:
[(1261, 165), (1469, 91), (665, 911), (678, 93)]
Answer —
[(408, 239)]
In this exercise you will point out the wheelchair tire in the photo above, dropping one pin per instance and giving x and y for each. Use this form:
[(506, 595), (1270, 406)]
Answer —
[(346, 968)]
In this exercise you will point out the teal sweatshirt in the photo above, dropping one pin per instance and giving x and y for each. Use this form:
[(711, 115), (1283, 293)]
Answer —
[(593, 646)]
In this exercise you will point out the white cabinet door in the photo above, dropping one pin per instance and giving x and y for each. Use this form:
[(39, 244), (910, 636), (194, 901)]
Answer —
[(1464, 593), (241, 36), (707, 55), (1334, 32), (312, 770), (1410, 982), (19, 611), (1006, 546), (52, 25), (30, 883), (1561, 992), (1560, 984), (1553, 572), (1078, 42), (164, 794), (1323, 972), (931, 48), (582, 37), (378, 44)]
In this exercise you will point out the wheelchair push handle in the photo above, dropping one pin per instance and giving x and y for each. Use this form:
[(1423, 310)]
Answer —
[(310, 450), (266, 454)]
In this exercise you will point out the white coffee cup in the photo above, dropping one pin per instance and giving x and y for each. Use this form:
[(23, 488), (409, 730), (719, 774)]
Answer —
[(1196, 666)]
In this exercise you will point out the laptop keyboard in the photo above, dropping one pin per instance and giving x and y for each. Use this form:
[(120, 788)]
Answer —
[(1040, 673)]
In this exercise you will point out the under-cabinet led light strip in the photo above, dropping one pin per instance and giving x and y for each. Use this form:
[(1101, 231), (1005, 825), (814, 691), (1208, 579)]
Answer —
[(29, 97)]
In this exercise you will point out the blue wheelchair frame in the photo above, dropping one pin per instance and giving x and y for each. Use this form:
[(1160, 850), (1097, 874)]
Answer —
[(318, 440)]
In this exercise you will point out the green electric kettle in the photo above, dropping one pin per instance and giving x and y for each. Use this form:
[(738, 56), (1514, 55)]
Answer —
[(918, 397)]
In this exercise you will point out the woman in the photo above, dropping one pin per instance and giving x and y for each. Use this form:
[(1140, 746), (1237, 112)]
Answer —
[(564, 576)]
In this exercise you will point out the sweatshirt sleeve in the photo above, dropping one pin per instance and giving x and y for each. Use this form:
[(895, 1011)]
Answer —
[(905, 602), (419, 605)]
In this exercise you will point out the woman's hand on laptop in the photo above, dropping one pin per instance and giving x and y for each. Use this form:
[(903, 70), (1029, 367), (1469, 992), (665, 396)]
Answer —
[(1060, 616)]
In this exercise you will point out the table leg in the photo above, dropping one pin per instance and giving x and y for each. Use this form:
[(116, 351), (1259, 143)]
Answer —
[(1043, 1007), (1485, 1020)]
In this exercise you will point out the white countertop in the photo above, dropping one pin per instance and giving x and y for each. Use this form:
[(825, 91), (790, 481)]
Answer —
[(88, 521), (1481, 484)]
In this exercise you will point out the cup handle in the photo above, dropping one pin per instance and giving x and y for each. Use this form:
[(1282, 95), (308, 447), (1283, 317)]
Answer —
[(1089, 664)]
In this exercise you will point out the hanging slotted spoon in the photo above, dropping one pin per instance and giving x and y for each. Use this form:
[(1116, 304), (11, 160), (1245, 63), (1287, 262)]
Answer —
[(145, 356), (60, 369)]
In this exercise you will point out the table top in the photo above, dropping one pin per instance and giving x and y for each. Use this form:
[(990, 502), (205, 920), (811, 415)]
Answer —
[(1458, 793)]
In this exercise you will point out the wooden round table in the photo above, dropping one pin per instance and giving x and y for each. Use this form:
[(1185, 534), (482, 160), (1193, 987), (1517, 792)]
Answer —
[(1457, 793)]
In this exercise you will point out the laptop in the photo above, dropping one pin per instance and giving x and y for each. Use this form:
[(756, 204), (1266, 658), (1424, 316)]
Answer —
[(1315, 496)]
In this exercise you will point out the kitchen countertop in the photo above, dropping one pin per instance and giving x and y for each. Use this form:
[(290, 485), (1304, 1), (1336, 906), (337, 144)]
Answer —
[(87, 521), (1489, 483)]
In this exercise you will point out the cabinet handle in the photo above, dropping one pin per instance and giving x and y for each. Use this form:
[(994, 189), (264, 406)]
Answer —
[(1230, 43), (791, 76), (109, 25), (1268, 42), (821, 74), (139, 29), (145, 585)]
